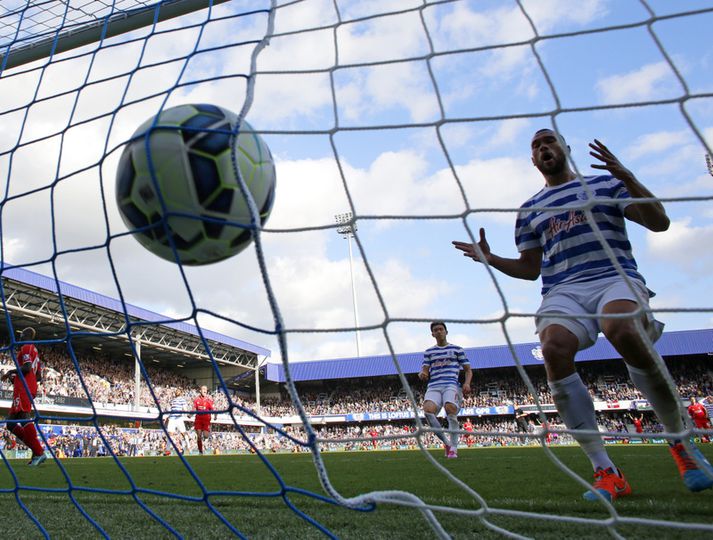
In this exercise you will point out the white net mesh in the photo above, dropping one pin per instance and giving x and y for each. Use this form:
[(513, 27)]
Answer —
[(413, 116)]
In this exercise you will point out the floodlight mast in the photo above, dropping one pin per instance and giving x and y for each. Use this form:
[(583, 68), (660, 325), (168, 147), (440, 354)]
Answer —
[(709, 163), (347, 228)]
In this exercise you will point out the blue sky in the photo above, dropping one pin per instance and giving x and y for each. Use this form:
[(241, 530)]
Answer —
[(381, 80)]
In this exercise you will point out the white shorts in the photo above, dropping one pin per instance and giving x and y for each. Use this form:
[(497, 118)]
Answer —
[(176, 425), (589, 298), (441, 396)]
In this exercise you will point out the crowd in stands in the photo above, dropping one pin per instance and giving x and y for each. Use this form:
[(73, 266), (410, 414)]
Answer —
[(69, 441), (108, 380), (111, 381), (606, 382)]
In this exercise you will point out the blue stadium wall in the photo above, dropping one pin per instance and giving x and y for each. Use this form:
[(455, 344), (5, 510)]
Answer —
[(671, 344)]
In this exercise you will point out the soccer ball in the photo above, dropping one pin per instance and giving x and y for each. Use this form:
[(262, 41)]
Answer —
[(189, 152)]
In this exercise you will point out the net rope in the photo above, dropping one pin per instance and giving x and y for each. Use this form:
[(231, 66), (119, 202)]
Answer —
[(23, 23)]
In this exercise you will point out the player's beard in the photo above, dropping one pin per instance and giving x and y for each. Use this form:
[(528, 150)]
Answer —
[(554, 166)]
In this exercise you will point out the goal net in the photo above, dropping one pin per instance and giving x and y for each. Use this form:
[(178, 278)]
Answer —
[(410, 123)]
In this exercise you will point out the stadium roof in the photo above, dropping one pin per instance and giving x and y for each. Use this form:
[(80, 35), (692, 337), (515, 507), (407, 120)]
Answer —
[(680, 343), (34, 299)]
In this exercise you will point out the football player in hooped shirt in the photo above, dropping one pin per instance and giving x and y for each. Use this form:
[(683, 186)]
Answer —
[(563, 247), (441, 366), (19, 421), (202, 421)]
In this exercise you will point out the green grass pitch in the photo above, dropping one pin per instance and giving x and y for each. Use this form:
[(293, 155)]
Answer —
[(520, 479)]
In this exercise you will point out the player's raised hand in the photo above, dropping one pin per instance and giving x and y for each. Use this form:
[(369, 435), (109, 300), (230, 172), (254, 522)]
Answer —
[(609, 162), (469, 250)]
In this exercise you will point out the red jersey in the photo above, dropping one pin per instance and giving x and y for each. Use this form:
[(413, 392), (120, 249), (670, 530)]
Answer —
[(202, 420), (468, 426), (638, 425), (697, 411), (20, 399), (202, 403)]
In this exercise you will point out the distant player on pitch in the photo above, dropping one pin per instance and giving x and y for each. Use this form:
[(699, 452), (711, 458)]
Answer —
[(203, 405), (557, 241), (176, 422), (698, 413), (441, 366), (19, 421), (469, 427), (638, 422)]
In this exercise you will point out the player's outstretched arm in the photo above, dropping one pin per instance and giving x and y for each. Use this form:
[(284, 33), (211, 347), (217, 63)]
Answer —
[(527, 266), (651, 215)]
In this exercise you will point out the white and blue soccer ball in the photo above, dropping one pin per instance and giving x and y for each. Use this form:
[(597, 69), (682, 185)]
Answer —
[(189, 159)]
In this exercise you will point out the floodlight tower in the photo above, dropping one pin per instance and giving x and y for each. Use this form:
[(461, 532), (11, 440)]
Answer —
[(347, 228), (709, 162)]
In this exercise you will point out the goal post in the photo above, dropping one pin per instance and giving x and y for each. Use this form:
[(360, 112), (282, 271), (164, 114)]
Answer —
[(81, 33)]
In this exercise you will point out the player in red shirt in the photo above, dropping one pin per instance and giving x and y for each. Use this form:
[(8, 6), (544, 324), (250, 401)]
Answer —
[(202, 421), (19, 421), (638, 422), (699, 415), (468, 426), (373, 434)]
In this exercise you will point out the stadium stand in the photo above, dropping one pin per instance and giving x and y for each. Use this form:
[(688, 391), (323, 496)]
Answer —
[(344, 407), (355, 398)]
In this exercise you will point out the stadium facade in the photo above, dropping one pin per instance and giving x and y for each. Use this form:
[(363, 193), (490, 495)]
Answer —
[(685, 343), (33, 299)]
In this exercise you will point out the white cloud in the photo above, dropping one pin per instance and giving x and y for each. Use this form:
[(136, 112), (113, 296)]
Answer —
[(680, 246), (307, 51), (366, 95), (385, 38), (549, 14), (280, 100), (516, 180), (404, 186), (466, 24), (665, 154), (505, 62), (647, 82), (312, 14), (459, 26), (353, 9), (684, 161), (507, 132), (654, 143)]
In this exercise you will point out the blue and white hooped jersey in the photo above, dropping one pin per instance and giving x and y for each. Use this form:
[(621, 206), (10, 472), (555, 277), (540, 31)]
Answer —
[(178, 405), (444, 364), (571, 251)]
